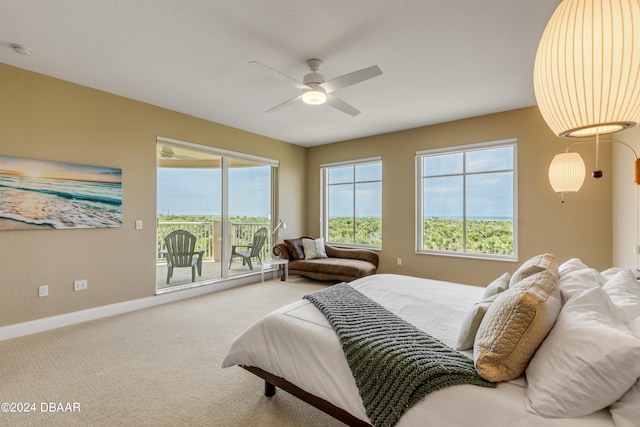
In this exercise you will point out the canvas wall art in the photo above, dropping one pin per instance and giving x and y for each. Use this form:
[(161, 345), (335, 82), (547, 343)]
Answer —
[(37, 194)]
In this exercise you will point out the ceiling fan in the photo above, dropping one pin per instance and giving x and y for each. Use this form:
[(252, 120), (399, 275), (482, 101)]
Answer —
[(168, 153), (316, 91)]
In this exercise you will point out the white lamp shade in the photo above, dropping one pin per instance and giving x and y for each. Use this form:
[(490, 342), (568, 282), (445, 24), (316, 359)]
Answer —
[(566, 172), (587, 68)]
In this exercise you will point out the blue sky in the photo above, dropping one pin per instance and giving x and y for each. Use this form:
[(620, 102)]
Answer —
[(198, 191), (488, 196), (488, 186)]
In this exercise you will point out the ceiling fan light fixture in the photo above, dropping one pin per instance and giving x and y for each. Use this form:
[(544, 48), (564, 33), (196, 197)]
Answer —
[(314, 97)]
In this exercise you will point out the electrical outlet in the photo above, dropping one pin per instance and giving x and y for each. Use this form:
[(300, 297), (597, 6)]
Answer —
[(43, 291), (80, 285), (399, 261)]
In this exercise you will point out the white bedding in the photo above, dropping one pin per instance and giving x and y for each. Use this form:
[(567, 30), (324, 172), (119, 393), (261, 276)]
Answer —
[(298, 344)]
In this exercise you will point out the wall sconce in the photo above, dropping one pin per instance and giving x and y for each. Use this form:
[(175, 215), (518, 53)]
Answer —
[(567, 170)]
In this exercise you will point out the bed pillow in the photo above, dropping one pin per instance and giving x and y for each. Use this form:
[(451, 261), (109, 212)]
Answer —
[(576, 276), (588, 361), (573, 264), (471, 323), (473, 317), (515, 325), (576, 281), (295, 247), (610, 272), (624, 291), (534, 265), (626, 411), (499, 285)]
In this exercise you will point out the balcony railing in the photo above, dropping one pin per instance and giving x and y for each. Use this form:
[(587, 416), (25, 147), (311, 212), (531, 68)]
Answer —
[(210, 238)]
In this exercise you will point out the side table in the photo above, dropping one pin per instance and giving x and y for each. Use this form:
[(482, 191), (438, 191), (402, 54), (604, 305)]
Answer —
[(275, 262)]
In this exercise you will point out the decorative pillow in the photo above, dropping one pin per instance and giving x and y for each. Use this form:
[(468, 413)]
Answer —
[(313, 248), (624, 291), (296, 248), (471, 323), (320, 250), (499, 285), (515, 325), (588, 361), (535, 265), (309, 247)]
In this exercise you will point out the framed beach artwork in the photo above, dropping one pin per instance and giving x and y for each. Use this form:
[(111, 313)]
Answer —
[(37, 194)]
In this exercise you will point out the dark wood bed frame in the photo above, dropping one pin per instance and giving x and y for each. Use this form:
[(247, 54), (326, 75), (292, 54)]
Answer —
[(272, 381)]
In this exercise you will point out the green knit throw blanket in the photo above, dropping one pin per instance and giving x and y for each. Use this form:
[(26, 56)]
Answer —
[(394, 363)]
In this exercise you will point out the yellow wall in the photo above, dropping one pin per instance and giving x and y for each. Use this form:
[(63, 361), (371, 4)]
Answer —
[(625, 198), (49, 119), (581, 227)]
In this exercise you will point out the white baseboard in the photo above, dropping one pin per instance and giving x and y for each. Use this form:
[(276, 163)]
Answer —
[(53, 322)]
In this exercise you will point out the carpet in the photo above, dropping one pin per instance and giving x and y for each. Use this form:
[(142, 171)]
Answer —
[(154, 367)]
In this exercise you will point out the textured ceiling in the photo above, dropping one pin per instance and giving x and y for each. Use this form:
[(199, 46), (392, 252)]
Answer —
[(441, 61)]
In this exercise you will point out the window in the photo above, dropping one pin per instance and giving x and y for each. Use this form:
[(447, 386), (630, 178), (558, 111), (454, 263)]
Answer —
[(352, 202), (467, 200)]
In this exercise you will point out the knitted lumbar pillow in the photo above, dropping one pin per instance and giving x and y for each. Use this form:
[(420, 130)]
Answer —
[(515, 325), (534, 265)]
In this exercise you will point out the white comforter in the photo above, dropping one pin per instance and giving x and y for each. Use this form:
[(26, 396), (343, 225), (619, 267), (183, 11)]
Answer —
[(298, 344)]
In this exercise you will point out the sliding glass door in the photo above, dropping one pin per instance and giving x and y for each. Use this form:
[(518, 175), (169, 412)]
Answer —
[(249, 215), (220, 200)]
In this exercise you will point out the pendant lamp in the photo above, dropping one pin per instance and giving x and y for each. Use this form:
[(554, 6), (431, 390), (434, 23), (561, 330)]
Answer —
[(587, 68)]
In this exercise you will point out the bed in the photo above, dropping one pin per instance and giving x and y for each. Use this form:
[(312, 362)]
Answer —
[(296, 349)]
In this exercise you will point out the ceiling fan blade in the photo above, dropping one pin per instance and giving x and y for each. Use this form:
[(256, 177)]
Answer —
[(284, 104), (351, 78), (281, 76), (339, 104)]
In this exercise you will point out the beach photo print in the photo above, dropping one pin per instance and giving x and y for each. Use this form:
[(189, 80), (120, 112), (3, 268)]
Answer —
[(37, 194)]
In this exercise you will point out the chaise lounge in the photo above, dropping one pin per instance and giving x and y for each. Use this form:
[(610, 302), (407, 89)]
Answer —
[(325, 262)]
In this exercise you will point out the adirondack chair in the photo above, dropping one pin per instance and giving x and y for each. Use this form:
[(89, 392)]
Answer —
[(252, 251), (181, 252)]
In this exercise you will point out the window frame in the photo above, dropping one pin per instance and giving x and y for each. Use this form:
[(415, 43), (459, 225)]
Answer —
[(324, 198), (419, 230), (226, 157)]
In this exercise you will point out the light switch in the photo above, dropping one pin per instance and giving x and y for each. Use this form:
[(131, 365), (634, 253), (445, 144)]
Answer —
[(138, 224)]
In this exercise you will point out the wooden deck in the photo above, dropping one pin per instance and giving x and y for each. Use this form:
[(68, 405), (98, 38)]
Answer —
[(211, 270)]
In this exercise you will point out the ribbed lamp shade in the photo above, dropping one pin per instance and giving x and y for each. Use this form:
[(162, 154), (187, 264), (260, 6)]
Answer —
[(566, 172), (587, 68)]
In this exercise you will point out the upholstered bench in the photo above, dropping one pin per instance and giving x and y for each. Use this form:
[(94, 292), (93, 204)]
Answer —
[(334, 264)]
